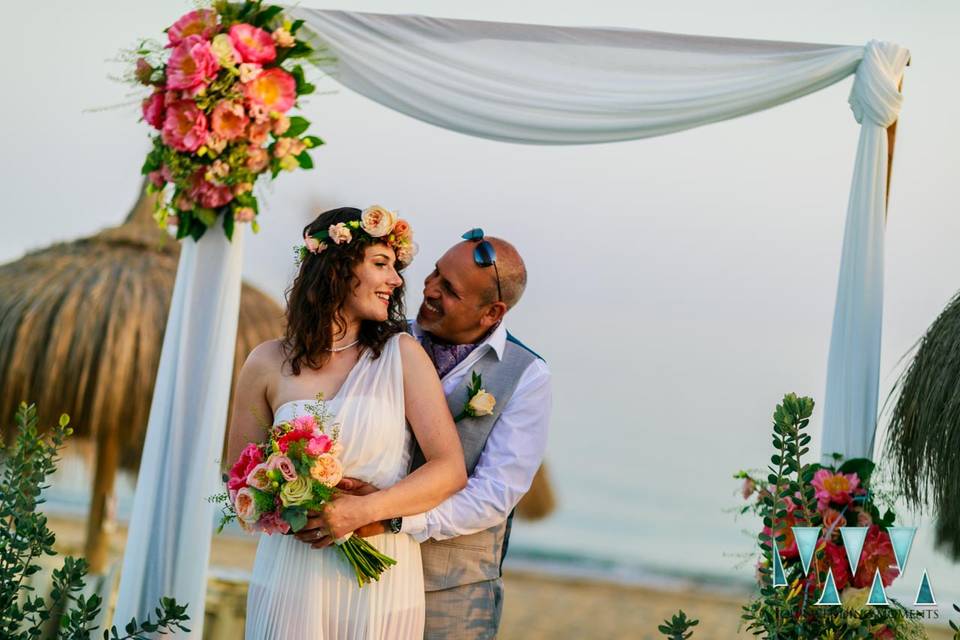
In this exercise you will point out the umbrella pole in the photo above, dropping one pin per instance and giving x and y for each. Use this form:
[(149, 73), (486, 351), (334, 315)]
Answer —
[(98, 537)]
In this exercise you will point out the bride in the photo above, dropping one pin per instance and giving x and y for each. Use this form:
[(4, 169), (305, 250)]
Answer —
[(345, 339)]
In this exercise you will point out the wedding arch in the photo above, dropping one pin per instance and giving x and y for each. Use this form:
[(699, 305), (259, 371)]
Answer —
[(528, 84)]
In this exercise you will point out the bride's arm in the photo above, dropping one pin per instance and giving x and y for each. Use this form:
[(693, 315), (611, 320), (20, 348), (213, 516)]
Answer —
[(251, 411), (444, 472)]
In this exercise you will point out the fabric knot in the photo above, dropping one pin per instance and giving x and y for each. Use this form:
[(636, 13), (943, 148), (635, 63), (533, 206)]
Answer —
[(875, 95)]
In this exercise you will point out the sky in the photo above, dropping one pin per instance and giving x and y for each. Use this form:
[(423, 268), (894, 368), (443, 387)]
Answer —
[(679, 286)]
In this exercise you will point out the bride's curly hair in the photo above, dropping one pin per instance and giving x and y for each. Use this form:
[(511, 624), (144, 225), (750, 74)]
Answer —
[(318, 293)]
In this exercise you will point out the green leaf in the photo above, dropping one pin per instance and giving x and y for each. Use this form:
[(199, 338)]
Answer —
[(305, 161), (206, 216), (312, 141), (228, 224), (266, 16), (295, 26), (298, 125), (295, 517)]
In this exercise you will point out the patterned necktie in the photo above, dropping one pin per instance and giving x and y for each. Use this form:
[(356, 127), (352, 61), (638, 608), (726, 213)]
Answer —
[(446, 356)]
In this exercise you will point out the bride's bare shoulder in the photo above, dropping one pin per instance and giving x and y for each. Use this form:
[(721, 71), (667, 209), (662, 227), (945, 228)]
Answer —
[(266, 357)]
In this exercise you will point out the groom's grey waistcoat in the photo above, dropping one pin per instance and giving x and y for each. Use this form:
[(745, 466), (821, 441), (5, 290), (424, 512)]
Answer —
[(479, 556)]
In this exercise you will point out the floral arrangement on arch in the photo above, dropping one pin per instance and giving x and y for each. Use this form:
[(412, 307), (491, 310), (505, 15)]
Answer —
[(827, 497), (222, 89)]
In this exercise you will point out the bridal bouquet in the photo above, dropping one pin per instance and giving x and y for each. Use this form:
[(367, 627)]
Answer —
[(221, 90), (273, 485), (794, 494)]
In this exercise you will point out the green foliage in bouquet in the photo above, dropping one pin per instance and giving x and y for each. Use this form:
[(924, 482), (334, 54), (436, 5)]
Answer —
[(795, 494), (25, 537)]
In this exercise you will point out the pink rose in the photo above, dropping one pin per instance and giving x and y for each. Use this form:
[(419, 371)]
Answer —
[(258, 478), (250, 457), (208, 194), (284, 465), (153, 110), (378, 221), (243, 214), (318, 445), (246, 506), (253, 44), (283, 38), (257, 159), (191, 64), (271, 523), (327, 470), (275, 89), (156, 178), (834, 487), (228, 120), (184, 126), (314, 245), (202, 22), (339, 233)]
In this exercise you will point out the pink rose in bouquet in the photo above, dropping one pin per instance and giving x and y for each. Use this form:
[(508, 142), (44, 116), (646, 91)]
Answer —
[(228, 120), (184, 126), (202, 22), (833, 487), (209, 194), (249, 458), (153, 110), (284, 465), (274, 89), (252, 43), (191, 64)]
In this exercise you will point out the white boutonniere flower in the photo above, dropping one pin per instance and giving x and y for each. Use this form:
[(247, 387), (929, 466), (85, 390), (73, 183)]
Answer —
[(479, 402)]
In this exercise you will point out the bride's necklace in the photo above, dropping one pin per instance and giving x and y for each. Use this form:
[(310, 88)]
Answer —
[(343, 348)]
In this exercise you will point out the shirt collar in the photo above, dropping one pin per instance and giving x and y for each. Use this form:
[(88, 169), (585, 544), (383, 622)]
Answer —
[(497, 340)]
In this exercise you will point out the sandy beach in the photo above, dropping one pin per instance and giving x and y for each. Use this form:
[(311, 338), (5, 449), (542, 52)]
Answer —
[(537, 605)]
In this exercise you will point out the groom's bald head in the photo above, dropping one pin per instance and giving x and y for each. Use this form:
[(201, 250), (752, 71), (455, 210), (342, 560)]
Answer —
[(461, 301)]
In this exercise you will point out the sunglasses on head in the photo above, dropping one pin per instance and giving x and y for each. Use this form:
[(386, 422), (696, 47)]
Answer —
[(484, 255)]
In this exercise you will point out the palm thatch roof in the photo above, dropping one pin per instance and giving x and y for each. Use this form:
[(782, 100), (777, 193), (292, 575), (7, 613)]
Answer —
[(82, 323), (924, 434)]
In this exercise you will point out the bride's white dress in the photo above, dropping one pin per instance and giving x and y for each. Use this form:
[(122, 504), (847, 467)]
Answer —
[(297, 592)]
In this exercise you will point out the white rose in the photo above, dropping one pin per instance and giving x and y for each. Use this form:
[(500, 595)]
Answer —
[(482, 404), (378, 221)]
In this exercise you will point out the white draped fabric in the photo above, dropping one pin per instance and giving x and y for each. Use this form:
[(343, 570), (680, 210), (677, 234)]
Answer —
[(525, 84), (168, 548)]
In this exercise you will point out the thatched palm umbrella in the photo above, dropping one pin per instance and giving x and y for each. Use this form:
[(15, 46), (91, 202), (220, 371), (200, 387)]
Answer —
[(924, 432), (81, 329)]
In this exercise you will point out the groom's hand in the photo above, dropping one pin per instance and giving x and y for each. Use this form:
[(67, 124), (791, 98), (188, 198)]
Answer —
[(356, 487)]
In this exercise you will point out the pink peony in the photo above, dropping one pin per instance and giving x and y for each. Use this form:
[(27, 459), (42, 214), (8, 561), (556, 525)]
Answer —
[(834, 487), (191, 64), (246, 506), (253, 44), (318, 445), (257, 159), (271, 523), (877, 554), (208, 194), (293, 436), (201, 23), (284, 465), (258, 478), (228, 120), (184, 126), (153, 110), (250, 457), (275, 89)]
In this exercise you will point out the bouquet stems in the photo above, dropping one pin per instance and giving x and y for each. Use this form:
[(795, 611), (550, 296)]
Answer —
[(367, 562)]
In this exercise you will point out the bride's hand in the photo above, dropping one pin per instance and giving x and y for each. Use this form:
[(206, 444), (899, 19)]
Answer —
[(344, 514)]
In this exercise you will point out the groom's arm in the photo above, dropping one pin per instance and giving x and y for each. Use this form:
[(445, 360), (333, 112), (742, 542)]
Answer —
[(510, 459)]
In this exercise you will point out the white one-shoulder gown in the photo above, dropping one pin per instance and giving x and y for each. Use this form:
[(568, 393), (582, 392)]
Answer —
[(300, 593)]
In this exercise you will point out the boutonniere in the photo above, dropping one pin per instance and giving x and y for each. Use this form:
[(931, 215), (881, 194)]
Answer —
[(479, 402)]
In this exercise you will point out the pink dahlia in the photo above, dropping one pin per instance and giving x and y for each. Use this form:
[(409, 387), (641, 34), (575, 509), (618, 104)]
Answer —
[(249, 458), (834, 487), (202, 22), (208, 194), (877, 554), (228, 120), (191, 64), (253, 44), (274, 89), (184, 126), (153, 110)]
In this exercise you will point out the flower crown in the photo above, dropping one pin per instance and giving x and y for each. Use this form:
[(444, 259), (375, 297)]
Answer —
[(375, 223)]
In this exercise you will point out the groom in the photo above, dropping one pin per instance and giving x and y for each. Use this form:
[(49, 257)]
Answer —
[(464, 540)]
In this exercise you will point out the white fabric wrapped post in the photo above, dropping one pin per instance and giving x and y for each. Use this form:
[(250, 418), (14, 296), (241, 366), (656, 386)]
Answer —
[(168, 548), (853, 369)]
